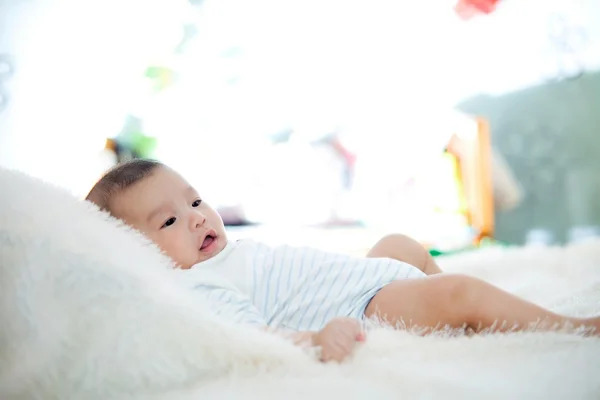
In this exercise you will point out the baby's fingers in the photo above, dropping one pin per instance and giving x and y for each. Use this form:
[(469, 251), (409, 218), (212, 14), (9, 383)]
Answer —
[(338, 350), (337, 355)]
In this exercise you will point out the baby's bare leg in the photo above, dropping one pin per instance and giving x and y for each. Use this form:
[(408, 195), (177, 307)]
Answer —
[(458, 301), (405, 249)]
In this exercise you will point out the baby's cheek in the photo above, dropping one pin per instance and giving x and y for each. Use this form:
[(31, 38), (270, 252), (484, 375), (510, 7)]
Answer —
[(171, 248)]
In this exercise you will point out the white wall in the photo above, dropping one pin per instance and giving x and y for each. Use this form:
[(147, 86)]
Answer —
[(512, 48), (77, 65), (360, 59), (365, 65)]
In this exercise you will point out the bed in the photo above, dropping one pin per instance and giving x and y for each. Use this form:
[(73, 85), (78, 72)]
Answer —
[(90, 309)]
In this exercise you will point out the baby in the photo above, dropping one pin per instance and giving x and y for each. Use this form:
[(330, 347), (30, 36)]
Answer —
[(322, 297)]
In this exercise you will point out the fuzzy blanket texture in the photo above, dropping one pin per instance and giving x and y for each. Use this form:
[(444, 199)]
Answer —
[(91, 310)]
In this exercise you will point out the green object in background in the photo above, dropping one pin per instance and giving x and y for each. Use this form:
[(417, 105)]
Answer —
[(161, 77), (549, 136), (131, 142), (142, 145), (485, 242), (436, 252)]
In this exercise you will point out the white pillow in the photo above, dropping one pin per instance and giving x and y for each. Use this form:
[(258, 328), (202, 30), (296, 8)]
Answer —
[(91, 309)]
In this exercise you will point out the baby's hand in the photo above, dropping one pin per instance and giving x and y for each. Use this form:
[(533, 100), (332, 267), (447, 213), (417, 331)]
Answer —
[(338, 339)]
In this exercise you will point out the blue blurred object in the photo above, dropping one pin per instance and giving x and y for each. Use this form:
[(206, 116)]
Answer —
[(6, 71), (583, 232), (539, 236)]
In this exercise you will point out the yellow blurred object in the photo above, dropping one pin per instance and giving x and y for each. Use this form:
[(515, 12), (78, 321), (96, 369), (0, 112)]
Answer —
[(473, 154)]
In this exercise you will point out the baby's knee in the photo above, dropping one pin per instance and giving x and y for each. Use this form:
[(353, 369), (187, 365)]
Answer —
[(402, 248), (395, 240)]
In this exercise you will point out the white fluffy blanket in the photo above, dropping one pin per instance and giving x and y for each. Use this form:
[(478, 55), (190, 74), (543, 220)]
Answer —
[(91, 310)]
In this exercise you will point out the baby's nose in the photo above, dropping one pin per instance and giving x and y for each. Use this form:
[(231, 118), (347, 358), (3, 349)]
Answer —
[(197, 220)]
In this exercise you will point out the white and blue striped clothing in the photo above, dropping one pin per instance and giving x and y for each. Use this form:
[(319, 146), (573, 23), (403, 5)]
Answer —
[(222, 297), (298, 288)]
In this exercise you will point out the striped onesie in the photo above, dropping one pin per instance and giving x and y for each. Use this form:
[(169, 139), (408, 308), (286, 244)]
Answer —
[(297, 288)]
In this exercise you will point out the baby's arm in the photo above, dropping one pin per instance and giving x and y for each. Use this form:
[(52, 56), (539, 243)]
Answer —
[(405, 249), (336, 340)]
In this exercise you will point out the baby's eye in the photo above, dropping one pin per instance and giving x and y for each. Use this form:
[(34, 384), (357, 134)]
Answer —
[(196, 203), (169, 222)]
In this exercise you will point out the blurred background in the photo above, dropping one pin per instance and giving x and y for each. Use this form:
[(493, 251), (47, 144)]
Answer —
[(329, 123)]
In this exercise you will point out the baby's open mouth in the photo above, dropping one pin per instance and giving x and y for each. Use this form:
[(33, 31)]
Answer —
[(208, 240)]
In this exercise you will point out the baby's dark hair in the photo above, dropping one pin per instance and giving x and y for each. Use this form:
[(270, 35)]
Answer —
[(119, 178)]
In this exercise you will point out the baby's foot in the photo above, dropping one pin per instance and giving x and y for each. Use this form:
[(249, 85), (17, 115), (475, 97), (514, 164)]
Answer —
[(594, 324)]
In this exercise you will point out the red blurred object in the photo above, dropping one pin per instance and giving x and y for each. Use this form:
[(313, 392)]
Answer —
[(467, 9)]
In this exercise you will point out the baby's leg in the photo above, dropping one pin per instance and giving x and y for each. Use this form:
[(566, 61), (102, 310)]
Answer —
[(458, 301), (405, 249)]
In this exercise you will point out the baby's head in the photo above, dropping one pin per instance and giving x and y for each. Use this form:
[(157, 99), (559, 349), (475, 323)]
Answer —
[(156, 200)]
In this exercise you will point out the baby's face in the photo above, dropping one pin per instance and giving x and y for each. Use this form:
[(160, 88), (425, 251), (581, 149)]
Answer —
[(171, 213)]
